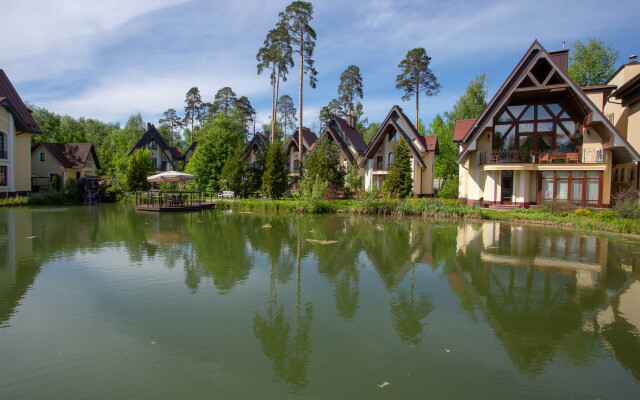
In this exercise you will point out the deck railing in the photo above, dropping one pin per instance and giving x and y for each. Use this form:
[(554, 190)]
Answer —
[(172, 199), (586, 156)]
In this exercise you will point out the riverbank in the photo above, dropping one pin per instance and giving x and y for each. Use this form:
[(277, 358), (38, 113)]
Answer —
[(605, 221)]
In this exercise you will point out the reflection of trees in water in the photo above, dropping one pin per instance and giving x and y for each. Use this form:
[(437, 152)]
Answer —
[(289, 348), (408, 312), (221, 252)]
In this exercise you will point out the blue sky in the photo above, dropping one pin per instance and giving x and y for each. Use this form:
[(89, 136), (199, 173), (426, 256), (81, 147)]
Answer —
[(109, 59)]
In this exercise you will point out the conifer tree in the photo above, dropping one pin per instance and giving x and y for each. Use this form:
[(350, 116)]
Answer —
[(416, 77), (399, 178), (274, 180)]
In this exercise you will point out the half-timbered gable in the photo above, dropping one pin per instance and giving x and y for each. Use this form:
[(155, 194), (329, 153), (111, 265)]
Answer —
[(379, 156), (539, 139)]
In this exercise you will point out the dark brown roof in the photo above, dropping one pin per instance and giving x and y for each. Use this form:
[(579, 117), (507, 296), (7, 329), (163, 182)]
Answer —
[(256, 141), (628, 92), (70, 155), (10, 99), (597, 88), (398, 121), (308, 137), (462, 127), (176, 152), (354, 137)]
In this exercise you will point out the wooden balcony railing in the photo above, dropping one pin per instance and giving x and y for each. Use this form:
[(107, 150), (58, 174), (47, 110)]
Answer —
[(586, 156)]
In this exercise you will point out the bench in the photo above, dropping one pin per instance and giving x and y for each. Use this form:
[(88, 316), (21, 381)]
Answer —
[(226, 194)]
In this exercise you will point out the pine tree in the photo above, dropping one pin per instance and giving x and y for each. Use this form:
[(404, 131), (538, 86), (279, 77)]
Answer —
[(274, 180), (399, 178), (235, 173), (324, 163), (193, 108), (416, 77), (225, 99), (350, 87), (173, 121), (287, 112)]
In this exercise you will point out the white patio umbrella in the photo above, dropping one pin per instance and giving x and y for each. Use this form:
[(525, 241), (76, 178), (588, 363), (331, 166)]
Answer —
[(171, 176)]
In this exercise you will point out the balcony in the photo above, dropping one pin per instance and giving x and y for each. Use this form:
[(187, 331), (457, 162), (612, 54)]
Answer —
[(586, 156)]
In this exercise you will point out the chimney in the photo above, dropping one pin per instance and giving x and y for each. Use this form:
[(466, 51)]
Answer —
[(561, 59), (148, 125), (351, 121), (633, 59)]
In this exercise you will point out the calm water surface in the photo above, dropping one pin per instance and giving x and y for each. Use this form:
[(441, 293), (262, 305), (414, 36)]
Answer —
[(103, 302)]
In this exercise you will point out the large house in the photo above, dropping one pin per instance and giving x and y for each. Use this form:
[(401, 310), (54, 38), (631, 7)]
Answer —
[(540, 139), (292, 153), (67, 160), (344, 133), (165, 158), (253, 146), (378, 156), (16, 127), (619, 100)]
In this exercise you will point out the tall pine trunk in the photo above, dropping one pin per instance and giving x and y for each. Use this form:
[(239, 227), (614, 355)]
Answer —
[(300, 101), (273, 105), (417, 101), (275, 109)]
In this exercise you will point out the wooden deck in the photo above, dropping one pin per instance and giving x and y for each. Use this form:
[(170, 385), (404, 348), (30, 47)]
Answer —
[(185, 207)]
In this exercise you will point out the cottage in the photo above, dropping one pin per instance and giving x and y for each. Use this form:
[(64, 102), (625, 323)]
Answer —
[(186, 156), (253, 146), (165, 158), (619, 101), (292, 153), (344, 133), (378, 156), (16, 127), (67, 160), (540, 139)]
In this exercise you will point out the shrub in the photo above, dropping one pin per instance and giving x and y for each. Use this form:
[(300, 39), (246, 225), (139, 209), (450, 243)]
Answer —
[(606, 215), (449, 189), (625, 204), (582, 212), (399, 177), (556, 207), (56, 183)]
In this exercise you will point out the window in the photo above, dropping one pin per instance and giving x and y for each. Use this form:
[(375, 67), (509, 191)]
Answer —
[(392, 136), (577, 187), (390, 159), (154, 162), (379, 162), (537, 127), (3, 175), (296, 165), (164, 166), (3, 153), (78, 174), (153, 145), (42, 156)]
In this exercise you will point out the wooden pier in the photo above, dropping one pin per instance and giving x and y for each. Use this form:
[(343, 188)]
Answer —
[(161, 201)]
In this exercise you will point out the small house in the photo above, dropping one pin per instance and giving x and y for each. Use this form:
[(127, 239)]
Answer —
[(165, 158), (67, 160)]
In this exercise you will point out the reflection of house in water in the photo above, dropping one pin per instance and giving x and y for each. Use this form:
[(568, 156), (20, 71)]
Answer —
[(537, 288), (17, 271)]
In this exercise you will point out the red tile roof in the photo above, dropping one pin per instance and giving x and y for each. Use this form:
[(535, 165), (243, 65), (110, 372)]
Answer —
[(10, 99), (430, 143), (70, 155), (175, 152), (461, 129)]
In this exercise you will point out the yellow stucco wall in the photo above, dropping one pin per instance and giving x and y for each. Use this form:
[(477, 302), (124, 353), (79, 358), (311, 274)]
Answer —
[(19, 163), (44, 168)]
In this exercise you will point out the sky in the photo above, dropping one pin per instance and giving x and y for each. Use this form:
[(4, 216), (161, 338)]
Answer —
[(109, 59)]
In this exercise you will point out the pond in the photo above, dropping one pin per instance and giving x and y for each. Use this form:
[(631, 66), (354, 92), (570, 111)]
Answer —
[(106, 302)]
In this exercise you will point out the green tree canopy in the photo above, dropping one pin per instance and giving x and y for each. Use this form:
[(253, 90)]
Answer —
[(138, 169), (335, 107), (416, 77), (350, 87), (174, 122), (235, 173), (245, 112), (592, 63), (216, 143), (274, 180), (192, 108), (287, 112), (399, 179), (225, 99), (324, 163)]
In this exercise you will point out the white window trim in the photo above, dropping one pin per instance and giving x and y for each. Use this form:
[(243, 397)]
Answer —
[(43, 159)]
